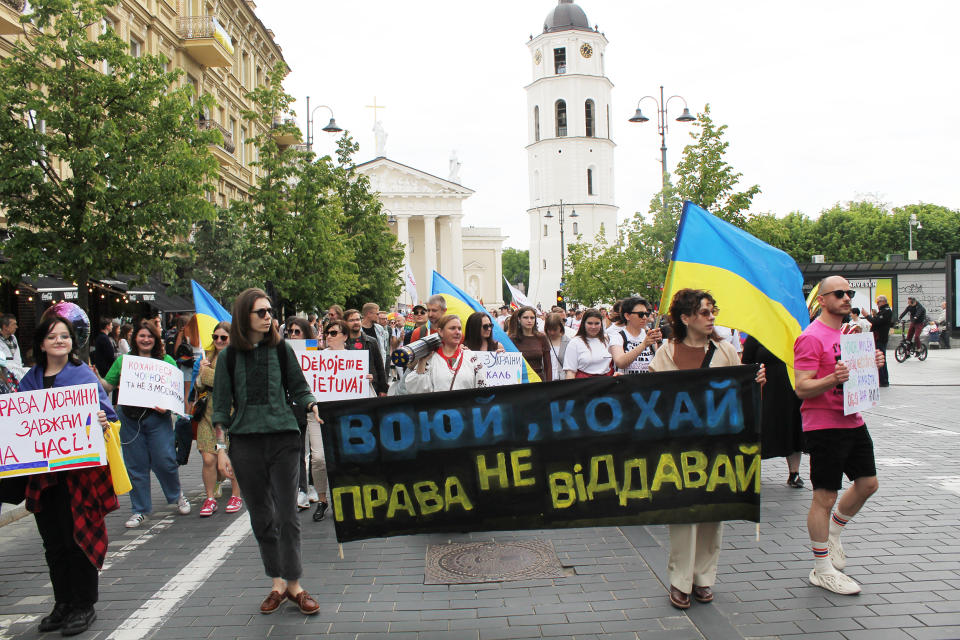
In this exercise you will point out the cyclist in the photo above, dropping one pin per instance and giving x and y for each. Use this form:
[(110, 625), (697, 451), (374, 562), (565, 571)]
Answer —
[(918, 318)]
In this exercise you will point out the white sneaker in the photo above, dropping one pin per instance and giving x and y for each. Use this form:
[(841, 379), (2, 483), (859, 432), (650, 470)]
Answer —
[(135, 521), (835, 581), (183, 506), (837, 556), (302, 501), (312, 495)]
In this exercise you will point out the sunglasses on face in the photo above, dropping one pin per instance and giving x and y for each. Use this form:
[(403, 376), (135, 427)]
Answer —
[(706, 313), (839, 293), (263, 313), (332, 333), (217, 338), (486, 326), (642, 314), (296, 332)]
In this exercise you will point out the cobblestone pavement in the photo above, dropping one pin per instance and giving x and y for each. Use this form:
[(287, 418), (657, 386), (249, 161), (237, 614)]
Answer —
[(904, 548)]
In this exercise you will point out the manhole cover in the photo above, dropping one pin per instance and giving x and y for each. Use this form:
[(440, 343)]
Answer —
[(463, 563)]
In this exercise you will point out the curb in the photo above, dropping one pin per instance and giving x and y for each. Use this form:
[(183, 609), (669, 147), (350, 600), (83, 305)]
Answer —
[(10, 515)]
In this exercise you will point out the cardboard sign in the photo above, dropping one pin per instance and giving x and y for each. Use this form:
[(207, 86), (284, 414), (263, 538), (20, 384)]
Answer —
[(148, 382), (672, 447), (50, 430), (862, 390), (336, 375), (502, 368)]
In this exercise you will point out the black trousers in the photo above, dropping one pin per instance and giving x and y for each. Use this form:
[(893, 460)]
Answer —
[(882, 346), (75, 579)]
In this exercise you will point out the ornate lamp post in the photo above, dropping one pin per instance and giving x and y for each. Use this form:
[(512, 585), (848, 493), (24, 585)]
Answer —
[(563, 246), (330, 128)]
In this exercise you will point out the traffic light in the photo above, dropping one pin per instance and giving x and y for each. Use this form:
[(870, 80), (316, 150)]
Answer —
[(561, 301)]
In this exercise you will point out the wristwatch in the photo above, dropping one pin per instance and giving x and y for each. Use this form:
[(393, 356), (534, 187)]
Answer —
[(221, 446)]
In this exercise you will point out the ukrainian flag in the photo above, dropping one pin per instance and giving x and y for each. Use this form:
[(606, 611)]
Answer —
[(758, 288), (209, 313), (462, 305)]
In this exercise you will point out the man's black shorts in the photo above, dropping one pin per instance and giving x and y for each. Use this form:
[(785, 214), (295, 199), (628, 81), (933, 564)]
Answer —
[(835, 452)]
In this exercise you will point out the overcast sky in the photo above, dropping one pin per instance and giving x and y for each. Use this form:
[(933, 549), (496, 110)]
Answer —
[(826, 101)]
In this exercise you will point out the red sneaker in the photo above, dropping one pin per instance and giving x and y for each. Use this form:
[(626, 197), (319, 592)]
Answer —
[(234, 504), (209, 506)]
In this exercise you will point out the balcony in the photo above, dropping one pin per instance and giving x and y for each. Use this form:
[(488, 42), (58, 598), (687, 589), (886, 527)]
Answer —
[(223, 152), (284, 138), (205, 40), (10, 12)]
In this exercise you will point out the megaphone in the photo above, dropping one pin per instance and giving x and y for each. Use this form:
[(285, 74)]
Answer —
[(403, 356)]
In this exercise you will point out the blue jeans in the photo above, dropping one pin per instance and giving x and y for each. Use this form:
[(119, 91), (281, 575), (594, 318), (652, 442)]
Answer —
[(148, 445)]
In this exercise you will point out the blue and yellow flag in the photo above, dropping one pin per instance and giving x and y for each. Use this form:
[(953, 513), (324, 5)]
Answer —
[(463, 306), (209, 314), (758, 288)]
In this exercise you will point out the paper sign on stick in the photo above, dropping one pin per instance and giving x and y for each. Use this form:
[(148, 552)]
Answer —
[(50, 430), (336, 375), (148, 382), (502, 368), (862, 390)]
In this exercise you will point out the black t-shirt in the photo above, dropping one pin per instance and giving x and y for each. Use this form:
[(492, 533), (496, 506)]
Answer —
[(48, 381), (370, 332)]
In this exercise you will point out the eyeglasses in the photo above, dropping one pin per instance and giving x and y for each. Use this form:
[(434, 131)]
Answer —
[(262, 313), (217, 338), (486, 326), (839, 293), (335, 332), (706, 313)]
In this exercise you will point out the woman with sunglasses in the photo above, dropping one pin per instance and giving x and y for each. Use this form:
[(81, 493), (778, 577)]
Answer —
[(450, 367), (531, 342), (632, 346), (250, 401), (206, 438), (478, 334), (694, 548), (147, 435), (588, 354)]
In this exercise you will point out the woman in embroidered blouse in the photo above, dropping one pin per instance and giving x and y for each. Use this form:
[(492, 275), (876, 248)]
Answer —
[(69, 506), (450, 367)]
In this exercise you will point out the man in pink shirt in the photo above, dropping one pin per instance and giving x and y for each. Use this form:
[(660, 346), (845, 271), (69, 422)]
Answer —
[(838, 444)]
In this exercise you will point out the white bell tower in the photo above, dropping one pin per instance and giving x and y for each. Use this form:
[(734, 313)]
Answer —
[(570, 147)]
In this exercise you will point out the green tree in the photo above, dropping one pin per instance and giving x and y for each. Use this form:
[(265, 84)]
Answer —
[(221, 248), (375, 253), (515, 264), (102, 167), (795, 233), (294, 217)]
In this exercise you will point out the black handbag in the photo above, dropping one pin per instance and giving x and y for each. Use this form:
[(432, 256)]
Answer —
[(200, 406)]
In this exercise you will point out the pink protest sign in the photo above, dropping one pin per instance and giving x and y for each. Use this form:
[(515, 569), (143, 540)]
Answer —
[(50, 430)]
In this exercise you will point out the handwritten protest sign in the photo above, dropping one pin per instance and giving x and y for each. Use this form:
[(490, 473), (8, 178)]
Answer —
[(50, 430), (336, 375), (502, 368), (862, 390), (148, 382), (670, 447)]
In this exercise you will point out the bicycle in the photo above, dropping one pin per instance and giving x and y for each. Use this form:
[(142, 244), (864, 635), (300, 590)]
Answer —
[(907, 348)]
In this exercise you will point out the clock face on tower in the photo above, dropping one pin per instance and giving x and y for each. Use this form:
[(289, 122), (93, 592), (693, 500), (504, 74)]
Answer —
[(586, 50), (537, 57)]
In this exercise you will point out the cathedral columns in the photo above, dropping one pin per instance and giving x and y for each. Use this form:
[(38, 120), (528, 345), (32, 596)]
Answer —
[(446, 246), (457, 251), (403, 237), (429, 249)]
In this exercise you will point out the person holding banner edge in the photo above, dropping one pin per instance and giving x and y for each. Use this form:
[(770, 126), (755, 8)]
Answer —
[(838, 444), (69, 506), (147, 436), (250, 401), (694, 548)]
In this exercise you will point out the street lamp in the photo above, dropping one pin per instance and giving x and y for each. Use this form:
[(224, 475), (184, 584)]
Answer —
[(913, 223), (330, 128), (563, 258), (391, 219), (686, 116)]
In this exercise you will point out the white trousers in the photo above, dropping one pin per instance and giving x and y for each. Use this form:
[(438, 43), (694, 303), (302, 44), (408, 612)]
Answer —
[(694, 553)]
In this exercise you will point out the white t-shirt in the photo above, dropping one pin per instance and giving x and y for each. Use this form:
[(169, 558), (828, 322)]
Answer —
[(594, 359), (612, 330), (730, 335), (642, 362)]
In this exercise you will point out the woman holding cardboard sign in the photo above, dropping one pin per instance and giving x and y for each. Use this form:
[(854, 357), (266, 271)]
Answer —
[(147, 436), (70, 506)]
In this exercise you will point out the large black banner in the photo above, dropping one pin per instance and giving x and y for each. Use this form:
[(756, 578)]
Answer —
[(668, 447)]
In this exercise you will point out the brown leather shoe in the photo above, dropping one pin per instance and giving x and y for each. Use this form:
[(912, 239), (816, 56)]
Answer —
[(308, 606), (273, 602), (703, 594), (679, 599)]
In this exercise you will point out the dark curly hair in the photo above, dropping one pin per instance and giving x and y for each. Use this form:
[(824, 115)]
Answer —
[(686, 302)]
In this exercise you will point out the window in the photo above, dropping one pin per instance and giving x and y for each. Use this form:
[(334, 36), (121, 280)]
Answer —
[(545, 231), (544, 264), (105, 25), (560, 60), (590, 182), (608, 122), (588, 116), (136, 47), (561, 118), (245, 71), (243, 146), (536, 123), (576, 229)]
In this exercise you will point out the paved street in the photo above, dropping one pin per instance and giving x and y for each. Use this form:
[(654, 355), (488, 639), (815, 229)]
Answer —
[(164, 581)]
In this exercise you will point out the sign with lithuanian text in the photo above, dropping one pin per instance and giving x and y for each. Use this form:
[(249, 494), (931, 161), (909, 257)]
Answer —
[(670, 447), (50, 430)]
